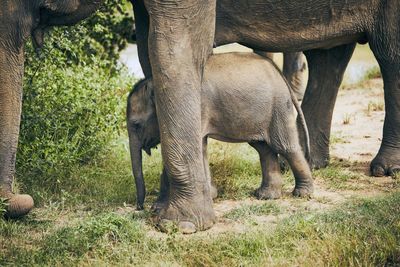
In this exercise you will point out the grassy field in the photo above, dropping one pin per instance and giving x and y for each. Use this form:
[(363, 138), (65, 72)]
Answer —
[(352, 220)]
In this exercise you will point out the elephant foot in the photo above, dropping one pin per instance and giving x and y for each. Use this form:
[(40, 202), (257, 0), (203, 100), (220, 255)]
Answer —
[(319, 160), (304, 191), (17, 205), (158, 205), (268, 192), (386, 163), (187, 218)]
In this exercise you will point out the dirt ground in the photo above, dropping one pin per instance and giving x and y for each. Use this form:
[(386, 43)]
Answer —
[(356, 126)]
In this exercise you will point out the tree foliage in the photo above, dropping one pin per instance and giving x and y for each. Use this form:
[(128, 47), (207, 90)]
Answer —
[(74, 96)]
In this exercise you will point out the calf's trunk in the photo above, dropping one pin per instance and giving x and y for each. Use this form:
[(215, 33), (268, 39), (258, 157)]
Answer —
[(136, 161)]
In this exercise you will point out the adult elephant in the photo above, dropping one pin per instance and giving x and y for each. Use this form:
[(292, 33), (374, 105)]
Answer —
[(20, 19), (179, 35)]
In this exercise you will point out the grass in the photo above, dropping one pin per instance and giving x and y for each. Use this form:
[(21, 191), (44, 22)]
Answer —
[(246, 211), (347, 118), (93, 222), (375, 106), (339, 175), (365, 232), (373, 73), (337, 138)]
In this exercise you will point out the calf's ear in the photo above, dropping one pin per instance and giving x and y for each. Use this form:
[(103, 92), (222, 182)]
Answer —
[(150, 88)]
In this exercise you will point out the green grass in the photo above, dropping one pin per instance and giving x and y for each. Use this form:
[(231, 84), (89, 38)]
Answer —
[(373, 73), (92, 221), (339, 175), (337, 138), (245, 211), (375, 106), (365, 232)]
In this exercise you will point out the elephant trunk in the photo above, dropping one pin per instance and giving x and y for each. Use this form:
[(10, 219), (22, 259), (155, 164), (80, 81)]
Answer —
[(136, 161)]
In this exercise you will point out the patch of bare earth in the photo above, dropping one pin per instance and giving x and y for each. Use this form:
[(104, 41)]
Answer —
[(358, 128)]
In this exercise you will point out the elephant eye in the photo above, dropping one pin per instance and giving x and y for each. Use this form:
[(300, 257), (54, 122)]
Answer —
[(135, 124)]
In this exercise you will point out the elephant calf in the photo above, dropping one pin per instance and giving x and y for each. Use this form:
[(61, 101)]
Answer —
[(244, 98)]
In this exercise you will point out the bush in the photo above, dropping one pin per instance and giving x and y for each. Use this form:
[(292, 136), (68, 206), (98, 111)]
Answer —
[(74, 97)]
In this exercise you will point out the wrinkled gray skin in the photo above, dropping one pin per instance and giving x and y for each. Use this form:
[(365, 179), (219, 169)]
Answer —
[(244, 98), (294, 68), (19, 20), (177, 39)]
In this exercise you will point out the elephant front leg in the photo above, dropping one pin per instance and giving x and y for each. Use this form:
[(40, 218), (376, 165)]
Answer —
[(11, 72), (387, 161), (162, 199), (326, 69), (180, 41)]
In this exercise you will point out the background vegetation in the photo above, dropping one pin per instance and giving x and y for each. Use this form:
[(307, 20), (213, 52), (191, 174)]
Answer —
[(74, 99)]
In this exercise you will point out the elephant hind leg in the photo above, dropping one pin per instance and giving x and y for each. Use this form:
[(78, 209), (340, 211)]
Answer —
[(387, 161), (326, 69), (271, 184), (302, 174), (284, 140)]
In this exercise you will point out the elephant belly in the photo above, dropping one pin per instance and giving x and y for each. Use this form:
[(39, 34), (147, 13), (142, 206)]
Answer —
[(278, 26), (236, 128)]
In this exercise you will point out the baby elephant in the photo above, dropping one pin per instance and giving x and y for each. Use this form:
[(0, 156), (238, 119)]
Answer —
[(244, 98)]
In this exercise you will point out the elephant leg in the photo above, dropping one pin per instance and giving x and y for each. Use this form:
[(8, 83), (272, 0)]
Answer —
[(271, 184), (11, 73), (387, 53), (162, 199), (294, 67), (326, 69), (142, 35), (302, 173), (180, 41), (213, 189)]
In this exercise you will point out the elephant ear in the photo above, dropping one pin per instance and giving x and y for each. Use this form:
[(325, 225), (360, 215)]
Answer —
[(150, 90), (61, 6)]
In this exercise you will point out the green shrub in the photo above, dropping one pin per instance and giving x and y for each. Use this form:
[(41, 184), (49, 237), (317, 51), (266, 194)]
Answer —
[(74, 97)]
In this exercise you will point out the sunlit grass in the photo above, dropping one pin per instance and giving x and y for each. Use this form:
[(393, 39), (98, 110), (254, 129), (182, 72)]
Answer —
[(93, 221), (366, 232)]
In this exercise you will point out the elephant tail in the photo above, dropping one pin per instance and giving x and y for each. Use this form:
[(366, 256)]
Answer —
[(303, 123), (301, 117)]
